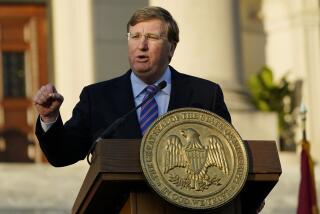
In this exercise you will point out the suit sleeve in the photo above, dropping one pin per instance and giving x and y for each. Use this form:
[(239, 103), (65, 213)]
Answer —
[(66, 144), (219, 106)]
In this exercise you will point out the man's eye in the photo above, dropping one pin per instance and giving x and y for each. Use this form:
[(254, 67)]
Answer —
[(152, 36), (136, 36)]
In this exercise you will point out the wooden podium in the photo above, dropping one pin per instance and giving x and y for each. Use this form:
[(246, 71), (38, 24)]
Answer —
[(115, 182)]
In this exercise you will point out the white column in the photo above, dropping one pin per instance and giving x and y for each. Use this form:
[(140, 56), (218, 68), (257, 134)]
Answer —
[(293, 44), (72, 46), (311, 27), (207, 46)]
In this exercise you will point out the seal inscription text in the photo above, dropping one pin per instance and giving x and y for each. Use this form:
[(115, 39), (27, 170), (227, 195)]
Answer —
[(194, 159)]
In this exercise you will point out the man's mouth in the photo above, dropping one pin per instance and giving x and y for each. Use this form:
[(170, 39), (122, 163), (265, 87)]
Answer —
[(142, 58)]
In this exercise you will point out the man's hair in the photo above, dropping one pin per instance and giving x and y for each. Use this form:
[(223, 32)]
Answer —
[(149, 13)]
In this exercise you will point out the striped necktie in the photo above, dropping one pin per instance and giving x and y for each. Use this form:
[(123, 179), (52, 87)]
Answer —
[(149, 111)]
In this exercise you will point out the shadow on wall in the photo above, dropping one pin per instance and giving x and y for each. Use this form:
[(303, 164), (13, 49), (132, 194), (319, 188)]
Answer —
[(14, 146)]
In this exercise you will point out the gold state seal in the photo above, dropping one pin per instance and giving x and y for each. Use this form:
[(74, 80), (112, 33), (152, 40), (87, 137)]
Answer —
[(194, 159)]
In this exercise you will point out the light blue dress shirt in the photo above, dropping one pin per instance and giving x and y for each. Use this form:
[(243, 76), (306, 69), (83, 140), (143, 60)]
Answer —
[(162, 97)]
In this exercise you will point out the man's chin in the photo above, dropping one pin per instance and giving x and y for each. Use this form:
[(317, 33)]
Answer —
[(145, 75), (141, 71)]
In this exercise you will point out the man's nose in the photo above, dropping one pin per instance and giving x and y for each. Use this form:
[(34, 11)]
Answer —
[(143, 43)]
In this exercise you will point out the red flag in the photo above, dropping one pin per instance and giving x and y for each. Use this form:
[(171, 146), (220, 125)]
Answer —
[(307, 192)]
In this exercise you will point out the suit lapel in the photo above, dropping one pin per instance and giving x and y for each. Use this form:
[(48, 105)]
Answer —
[(181, 92), (125, 103)]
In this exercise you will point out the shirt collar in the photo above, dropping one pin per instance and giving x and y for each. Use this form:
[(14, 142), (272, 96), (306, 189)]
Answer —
[(138, 85)]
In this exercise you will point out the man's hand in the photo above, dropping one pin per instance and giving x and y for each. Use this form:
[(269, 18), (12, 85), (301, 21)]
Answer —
[(47, 102)]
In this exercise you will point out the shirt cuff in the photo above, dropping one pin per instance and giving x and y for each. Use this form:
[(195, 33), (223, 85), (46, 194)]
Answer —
[(46, 126)]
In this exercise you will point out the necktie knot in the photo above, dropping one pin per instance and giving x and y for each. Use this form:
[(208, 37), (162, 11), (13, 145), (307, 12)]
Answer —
[(150, 89)]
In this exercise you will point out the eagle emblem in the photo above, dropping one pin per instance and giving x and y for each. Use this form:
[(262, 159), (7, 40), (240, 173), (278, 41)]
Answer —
[(196, 158)]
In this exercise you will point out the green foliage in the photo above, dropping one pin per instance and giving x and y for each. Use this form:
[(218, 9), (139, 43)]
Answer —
[(266, 94), (279, 97)]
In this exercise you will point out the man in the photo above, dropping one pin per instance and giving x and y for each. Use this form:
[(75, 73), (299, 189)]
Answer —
[(152, 39)]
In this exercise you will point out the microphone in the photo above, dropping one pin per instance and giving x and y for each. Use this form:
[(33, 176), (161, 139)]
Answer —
[(120, 120)]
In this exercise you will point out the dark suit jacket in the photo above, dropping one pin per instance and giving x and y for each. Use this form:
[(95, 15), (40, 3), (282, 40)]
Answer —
[(102, 103)]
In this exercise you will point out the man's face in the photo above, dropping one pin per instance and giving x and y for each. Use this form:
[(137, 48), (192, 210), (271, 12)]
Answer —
[(149, 57)]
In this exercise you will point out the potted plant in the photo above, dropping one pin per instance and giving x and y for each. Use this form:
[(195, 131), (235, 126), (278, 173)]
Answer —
[(281, 97)]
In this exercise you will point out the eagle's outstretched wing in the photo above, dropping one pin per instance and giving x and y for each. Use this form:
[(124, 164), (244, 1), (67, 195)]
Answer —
[(216, 154), (174, 155)]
